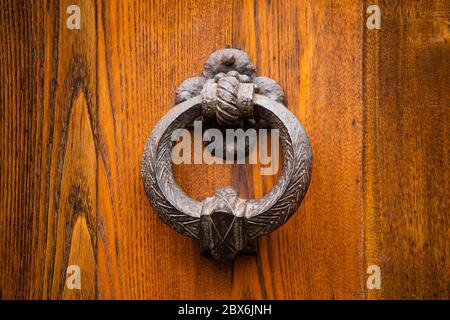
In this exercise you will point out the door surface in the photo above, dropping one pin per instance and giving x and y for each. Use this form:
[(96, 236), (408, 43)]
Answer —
[(77, 106)]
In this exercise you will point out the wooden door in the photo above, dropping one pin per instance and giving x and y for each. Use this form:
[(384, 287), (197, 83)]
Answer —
[(76, 108)]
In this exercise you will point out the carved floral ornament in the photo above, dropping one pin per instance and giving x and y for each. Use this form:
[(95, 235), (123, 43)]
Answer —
[(227, 95)]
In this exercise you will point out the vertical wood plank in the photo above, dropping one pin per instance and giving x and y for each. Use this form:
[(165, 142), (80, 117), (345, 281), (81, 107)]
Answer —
[(146, 48), (406, 166), (313, 49), (49, 104), (20, 147)]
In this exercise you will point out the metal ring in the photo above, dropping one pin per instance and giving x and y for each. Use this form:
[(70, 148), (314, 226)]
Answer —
[(225, 224)]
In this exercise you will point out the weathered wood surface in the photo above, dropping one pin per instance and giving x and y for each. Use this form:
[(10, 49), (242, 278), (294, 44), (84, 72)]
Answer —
[(76, 108), (406, 149)]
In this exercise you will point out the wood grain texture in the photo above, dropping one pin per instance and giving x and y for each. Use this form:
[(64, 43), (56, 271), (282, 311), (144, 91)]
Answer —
[(407, 101), (76, 108), (48, 150), (146, 49), (289, 42)]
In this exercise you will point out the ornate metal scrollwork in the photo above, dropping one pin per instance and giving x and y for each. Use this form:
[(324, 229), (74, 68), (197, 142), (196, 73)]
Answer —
[(229, 94)]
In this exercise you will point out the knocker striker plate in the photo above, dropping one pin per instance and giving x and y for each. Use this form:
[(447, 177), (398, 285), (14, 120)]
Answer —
[(228, 95)]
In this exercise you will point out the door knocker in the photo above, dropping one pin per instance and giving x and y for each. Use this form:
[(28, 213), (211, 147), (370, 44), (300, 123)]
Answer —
[(227, 94)]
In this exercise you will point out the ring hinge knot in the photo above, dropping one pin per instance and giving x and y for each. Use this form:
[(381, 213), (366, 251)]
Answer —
[(228, 99)]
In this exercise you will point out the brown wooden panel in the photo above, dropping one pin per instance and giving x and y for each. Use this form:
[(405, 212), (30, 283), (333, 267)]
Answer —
[(76, 108), (406, 79), (146, 49), (106, 85), (317, 60), (49, 160)]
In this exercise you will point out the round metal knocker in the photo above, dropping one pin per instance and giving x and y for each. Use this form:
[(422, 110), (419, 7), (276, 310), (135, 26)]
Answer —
[(227, 95)]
